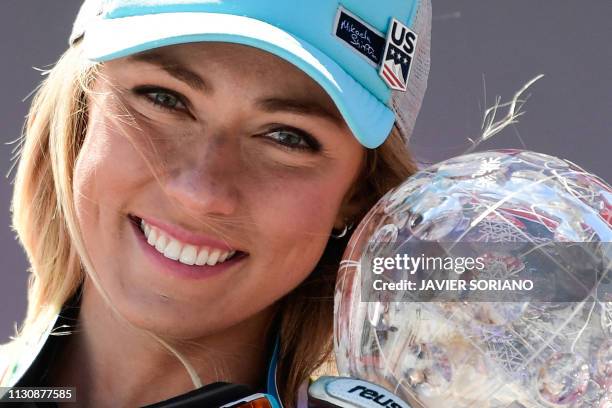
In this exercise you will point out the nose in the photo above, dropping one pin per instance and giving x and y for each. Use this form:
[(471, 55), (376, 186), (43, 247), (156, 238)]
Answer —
[(203, 178)]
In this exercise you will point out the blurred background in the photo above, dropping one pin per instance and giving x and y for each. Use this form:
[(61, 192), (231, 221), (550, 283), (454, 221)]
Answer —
[(480, 50)]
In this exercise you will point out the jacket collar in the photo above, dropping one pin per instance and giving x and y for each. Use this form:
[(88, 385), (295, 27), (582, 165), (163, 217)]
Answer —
[(31, 366), (33, 359)]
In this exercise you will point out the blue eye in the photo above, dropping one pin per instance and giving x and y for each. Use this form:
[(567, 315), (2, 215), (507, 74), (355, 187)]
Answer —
[(162, 98), (294, 139), (165, 99)]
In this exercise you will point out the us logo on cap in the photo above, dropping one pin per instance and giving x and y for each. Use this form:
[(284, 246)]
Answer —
[(399, 50)]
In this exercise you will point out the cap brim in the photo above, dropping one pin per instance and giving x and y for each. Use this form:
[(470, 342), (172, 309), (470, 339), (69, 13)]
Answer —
[(369, 119)]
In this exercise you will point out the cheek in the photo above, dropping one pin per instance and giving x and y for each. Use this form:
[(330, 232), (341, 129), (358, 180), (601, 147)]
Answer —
[(300, 208), (111, 163), (294, 217), (107, 170)]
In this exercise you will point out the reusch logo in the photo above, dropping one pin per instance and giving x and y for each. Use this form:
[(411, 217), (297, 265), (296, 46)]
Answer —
[(358, 393), (376, 396)]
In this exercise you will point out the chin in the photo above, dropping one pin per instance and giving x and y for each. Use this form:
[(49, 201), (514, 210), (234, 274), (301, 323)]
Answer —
[(169, 318), (175, 320)]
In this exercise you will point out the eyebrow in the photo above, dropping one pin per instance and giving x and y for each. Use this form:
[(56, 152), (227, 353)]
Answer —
[(174, 68), (273, 104), (299, 107)]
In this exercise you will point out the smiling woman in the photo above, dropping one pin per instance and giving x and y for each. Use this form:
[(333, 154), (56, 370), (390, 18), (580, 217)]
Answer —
[(176, 197), (208, 173)]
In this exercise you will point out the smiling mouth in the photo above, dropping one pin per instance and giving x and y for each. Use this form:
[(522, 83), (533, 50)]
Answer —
[(176, 250)]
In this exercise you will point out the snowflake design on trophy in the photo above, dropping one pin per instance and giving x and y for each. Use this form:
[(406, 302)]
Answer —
[(493, 229), (489, 165), (500, 266), (485, 175), (485, 182), (508, 354)]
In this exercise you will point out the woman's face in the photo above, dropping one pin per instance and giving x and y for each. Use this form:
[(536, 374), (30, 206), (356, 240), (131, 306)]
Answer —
[(224, 151)]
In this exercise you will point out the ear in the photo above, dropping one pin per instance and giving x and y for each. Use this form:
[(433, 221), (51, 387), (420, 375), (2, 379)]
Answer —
[(351, 207), (355, 203)]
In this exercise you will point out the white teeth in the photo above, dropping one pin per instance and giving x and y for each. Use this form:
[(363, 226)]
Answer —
[(189, 255), (212, 258), (202, 257), (173, 250), (162, 242), (185, 253), (152, 236), (223, 257)]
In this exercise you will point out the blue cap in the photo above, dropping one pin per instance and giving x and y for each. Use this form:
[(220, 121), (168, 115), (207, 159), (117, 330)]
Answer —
[(339, 44)]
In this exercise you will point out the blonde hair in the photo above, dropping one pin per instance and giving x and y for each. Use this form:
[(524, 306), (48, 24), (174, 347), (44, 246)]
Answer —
[(45, 220)]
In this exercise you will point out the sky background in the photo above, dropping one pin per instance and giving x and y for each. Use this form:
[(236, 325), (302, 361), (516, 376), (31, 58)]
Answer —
[(480, 50)]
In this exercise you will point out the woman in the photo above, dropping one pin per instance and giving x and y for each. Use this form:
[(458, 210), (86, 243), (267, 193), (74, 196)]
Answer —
[(182, 170)]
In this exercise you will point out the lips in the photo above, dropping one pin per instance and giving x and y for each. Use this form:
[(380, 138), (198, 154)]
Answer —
[(185, 251)]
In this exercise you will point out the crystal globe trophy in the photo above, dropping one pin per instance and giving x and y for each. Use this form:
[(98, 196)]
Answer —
[(524, 217)]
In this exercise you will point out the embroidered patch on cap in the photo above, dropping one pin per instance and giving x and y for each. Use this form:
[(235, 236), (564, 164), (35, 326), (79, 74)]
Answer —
[(359, 35), (399, 50)]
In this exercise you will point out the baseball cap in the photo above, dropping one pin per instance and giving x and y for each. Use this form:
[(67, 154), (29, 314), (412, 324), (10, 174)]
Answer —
[(371, 57)]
